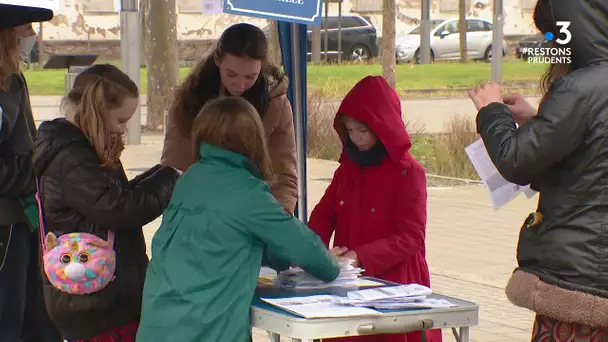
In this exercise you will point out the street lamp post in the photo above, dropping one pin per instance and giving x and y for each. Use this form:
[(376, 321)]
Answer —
[(130, 57), (425, 32), (497, 35)]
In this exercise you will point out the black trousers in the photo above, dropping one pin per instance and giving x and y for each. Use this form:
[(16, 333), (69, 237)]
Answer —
[(23, 316)]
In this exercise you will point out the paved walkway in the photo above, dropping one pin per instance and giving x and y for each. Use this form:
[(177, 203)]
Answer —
[(471, 248), (428, 114)]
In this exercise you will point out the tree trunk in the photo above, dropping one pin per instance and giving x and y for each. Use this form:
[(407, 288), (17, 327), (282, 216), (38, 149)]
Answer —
[(388, 42), (462, 11), (162, 59), (144, 7), (274, 46)]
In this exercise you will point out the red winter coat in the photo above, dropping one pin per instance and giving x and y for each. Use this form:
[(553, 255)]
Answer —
[(379, 211)]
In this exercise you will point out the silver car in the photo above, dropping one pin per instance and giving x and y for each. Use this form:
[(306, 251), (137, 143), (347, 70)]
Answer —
[(445, 41)]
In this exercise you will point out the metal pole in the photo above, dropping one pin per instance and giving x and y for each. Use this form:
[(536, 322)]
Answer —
[(316, 45), (425, 32), (497, 36), (299, 122), (326, 33), (130, 56), (340, 32)]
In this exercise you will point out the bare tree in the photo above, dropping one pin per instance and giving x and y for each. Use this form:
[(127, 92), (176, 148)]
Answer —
[(274, 46), (144, 6), (162, 59), (388, 42), (462, 11)]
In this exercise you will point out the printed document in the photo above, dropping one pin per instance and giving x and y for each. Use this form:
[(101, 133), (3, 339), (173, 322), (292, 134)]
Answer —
[(501, 191)]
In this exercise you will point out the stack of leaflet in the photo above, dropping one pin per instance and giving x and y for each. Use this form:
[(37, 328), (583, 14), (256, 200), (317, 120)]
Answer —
[(392, 298), (300, 279)]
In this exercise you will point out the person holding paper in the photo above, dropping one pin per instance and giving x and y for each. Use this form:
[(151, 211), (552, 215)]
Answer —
[(376, 202), (221, 224), (22, 313), (561, 150)]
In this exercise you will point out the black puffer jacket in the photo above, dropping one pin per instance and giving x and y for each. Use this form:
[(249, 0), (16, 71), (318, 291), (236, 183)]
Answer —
[(563, 153), (79, 195), (16, 126)]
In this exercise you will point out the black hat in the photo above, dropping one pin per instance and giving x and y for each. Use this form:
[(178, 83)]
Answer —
[(13, 15)]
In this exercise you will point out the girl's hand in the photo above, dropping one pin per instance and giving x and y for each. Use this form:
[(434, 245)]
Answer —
[(353, 256), (338, 251)]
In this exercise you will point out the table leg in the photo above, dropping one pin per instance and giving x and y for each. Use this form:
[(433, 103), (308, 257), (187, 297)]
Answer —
[(464, 334)]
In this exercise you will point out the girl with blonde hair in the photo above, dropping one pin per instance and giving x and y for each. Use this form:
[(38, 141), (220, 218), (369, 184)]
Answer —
[(86, 196)]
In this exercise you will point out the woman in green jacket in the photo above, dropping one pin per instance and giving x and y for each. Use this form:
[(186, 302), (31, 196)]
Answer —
[(221, 222)]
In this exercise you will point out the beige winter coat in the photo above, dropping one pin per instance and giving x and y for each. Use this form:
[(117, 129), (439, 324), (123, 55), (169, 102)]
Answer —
[(278, 126)]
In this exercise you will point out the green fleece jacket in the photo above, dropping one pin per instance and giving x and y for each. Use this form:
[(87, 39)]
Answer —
[(206, 256)]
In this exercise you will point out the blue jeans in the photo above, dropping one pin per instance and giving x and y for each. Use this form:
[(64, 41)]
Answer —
[(23, 316)]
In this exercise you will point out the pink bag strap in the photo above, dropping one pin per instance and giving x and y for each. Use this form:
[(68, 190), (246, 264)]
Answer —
[(43, 226)]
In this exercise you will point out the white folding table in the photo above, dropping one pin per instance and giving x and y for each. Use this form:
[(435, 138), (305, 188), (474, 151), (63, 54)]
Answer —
[(282, 323)]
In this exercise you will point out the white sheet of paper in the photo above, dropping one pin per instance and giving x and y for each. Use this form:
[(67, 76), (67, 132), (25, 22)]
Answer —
[(501, 191), (211, 7), (319, 307), (387, 292)]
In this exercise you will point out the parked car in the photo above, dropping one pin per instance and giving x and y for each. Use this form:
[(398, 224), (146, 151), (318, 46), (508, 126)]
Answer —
[(529, 42), (445, 41), (359, 38)]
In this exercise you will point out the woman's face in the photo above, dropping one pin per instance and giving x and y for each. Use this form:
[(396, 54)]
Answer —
[(360, 134), (25, 30), (238, 74)]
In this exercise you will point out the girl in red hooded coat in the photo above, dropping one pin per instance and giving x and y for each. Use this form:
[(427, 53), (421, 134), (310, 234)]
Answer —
[(376, 202)]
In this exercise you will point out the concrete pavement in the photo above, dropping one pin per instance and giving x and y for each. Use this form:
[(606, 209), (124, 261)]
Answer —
[(430, 114), (470, 247)]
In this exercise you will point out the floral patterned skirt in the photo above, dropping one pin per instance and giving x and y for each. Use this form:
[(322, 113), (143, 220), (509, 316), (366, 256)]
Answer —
[(549, 330), (125, 333)]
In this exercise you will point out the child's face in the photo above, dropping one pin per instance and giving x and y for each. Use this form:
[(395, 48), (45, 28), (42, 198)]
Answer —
[(118, 117), (360, 134)]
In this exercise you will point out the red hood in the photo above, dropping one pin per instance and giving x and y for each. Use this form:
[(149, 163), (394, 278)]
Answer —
[(374, 102)]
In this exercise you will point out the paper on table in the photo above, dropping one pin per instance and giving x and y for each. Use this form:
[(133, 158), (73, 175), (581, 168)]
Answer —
[(409, 290), (427, 303), (501, 191), (319, 307)]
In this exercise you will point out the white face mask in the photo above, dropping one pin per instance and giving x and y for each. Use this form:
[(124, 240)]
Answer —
[(26, 44)]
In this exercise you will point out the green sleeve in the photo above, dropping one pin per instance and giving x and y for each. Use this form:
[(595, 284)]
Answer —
[(287, 239)]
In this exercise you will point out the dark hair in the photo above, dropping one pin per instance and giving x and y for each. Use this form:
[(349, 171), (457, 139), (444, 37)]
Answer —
[(202, 85), (232, 123), (96, 91), (544, 21)]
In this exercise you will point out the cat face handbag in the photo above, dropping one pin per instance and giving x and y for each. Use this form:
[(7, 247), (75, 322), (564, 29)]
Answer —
[(76, 263)]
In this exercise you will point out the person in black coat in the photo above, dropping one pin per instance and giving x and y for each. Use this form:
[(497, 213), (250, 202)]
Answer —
[(84, 189), (560, 149), (22, 314)]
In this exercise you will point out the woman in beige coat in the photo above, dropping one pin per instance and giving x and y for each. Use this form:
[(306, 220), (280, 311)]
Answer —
[(238, 67)]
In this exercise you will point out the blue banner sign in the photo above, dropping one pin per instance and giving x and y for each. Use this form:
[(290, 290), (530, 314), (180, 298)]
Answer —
[(294, 11)]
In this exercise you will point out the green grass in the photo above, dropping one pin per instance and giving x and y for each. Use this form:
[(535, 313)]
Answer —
[(334, 81)]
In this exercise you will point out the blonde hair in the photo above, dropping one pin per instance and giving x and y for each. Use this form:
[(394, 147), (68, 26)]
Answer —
[(232, 123), (9, 57), (96, 91)]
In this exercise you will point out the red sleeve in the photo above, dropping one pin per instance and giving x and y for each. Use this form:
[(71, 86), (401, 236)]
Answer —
[(378, 256), (323, 218)]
